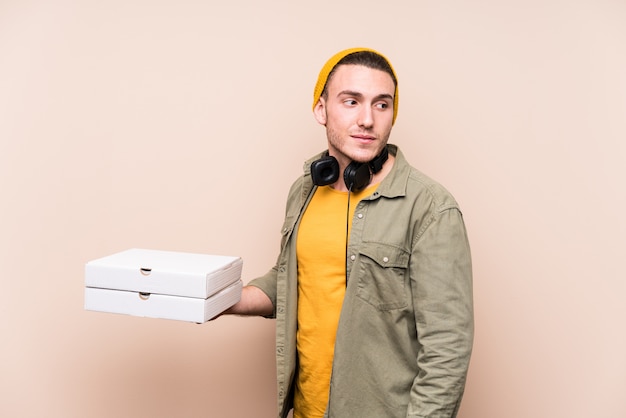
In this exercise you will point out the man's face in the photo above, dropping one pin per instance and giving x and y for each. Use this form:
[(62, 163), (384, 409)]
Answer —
[(357, 112)]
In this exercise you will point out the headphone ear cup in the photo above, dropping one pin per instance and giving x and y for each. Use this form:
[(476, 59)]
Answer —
[(325, 171), (357, 176)]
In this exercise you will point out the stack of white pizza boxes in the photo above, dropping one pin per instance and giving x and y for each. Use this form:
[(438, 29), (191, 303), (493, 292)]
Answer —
[(163, 284)]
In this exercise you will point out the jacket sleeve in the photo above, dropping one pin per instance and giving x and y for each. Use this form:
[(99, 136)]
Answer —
[(441, 281), (267, 284)]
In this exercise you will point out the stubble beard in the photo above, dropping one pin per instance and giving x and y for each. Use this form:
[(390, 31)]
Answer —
[(341, 149)]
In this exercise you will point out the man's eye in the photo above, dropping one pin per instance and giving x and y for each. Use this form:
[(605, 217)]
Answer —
[(350, 102), (382, 105)]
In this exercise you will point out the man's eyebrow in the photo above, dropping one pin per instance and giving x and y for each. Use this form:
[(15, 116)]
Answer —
[(349, 93), (384, 96), (360, 95)]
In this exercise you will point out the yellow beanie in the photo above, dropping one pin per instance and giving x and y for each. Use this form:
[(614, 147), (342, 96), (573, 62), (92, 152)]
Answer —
[(332, 62)]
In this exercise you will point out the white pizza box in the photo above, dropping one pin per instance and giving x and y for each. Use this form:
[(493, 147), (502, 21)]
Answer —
[(164, 272), (154, 305), (163, 284)]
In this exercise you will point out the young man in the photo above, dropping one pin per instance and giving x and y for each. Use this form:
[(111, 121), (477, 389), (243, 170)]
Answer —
[(372, 291)]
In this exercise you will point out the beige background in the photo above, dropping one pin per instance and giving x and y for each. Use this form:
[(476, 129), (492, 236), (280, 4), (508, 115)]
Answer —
[(180, 126)]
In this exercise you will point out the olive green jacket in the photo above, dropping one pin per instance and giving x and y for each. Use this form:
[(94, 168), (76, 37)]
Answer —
[(405, 332)]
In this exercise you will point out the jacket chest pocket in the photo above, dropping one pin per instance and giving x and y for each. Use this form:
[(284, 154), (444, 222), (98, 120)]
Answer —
[(383, 276)]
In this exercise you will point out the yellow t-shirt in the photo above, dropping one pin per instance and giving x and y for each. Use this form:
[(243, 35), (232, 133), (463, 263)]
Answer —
[(321, 252)]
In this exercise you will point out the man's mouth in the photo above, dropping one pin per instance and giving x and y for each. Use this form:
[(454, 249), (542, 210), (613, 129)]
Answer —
[(363, 137)]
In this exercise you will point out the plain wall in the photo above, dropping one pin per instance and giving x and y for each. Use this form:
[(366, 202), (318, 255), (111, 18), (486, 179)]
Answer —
[(180, 126)]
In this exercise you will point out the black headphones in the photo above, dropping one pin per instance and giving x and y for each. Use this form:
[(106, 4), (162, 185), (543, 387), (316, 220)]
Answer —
[(325, 171)]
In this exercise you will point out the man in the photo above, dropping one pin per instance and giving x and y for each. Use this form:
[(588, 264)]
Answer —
[(372, 290)]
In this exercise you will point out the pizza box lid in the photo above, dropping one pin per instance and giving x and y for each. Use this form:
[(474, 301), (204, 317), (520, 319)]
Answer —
[(164, 272)]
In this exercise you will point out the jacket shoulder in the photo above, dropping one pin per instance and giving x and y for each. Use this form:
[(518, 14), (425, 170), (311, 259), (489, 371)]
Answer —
[(423, 186)]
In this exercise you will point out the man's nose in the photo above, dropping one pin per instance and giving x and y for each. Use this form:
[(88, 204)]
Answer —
[(366, 117)]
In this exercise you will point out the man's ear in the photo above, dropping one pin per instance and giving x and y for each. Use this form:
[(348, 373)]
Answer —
[(319, 111)]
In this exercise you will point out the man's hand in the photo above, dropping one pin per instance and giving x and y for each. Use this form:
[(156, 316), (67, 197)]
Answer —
[(253, 302)]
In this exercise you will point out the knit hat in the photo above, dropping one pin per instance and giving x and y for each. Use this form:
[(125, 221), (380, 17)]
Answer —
[(334, 60)]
